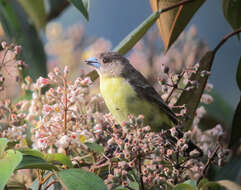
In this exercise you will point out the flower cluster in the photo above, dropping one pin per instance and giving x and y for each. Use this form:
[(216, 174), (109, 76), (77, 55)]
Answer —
[(64, 115)]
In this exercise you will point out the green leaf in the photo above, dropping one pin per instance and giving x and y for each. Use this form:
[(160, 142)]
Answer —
[(210, 186), (8, 162), (32, 152), (33, 162), (17, 28), (191, 98), (35, 10), (183, 187), (202, 183), (236, 126), (229, 185), (58, 157), (134, 185), (131, 39), (232, 12), (230, 171), (95, 147), (238, 73), (79, 179), (192, 183), (82, 6)]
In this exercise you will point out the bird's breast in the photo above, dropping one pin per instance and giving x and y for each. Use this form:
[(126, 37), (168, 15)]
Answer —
[(119, 96), (121, 99)]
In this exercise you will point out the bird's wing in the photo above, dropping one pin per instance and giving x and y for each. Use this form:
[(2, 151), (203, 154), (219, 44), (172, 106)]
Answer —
[(146, 91)]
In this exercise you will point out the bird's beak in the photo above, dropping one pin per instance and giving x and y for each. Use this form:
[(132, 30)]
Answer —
[(93, 62)]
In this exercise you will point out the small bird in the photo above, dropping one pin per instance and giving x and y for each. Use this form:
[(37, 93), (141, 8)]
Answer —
[(126, 92)]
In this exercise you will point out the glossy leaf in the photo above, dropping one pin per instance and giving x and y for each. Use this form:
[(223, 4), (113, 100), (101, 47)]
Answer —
[(131, 39), (31, 162), (192, 183), (79, 179), (238, 73), (82, 6), (32, 152), (232, 12), (17, 28), (8, 162), (95, 147), (229, 185), (58, 157), (191, 98), (35, 10), (173, 22), (211, 186)]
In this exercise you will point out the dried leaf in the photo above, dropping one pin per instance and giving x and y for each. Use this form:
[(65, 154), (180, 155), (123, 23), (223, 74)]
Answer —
[(173, 22)]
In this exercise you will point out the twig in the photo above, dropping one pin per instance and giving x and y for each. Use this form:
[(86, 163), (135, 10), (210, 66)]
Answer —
[(225, 38), (53, 182), (140, 172), (209, 161), (65, 104)]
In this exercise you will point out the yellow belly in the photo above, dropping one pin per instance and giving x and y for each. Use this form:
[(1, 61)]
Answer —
[(122, 100)]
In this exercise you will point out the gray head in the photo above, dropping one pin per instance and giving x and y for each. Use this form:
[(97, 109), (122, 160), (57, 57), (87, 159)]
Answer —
[(109, 64)]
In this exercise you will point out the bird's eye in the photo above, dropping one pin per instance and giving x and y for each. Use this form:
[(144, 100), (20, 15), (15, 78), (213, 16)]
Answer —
[(105, 60)]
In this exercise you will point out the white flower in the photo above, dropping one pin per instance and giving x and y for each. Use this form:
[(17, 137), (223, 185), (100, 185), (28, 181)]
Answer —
[(63, 141)]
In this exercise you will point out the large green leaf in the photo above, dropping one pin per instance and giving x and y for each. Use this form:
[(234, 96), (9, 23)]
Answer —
[(82, 6), (33, 162), (132, 38), (79, 179), (8, 162), (232, 12), (35, 10), (16, 26), (230, 171), (32, 152), (191, 98), (58, 157)]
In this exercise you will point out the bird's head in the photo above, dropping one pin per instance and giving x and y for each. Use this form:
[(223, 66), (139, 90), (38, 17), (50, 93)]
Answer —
[(108, 64)]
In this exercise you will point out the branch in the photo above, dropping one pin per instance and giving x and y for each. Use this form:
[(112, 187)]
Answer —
[(225, 38), (209, 161)]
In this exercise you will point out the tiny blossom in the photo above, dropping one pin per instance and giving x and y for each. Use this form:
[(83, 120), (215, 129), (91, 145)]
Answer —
[(207, 99), (63, 141), (4, 44)]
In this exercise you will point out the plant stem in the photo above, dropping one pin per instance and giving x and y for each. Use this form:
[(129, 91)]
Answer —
[(53, 182), (209, 161), (225, 38), (140, 173)]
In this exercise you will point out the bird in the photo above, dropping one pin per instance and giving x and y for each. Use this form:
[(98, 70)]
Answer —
[(127, 92)]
